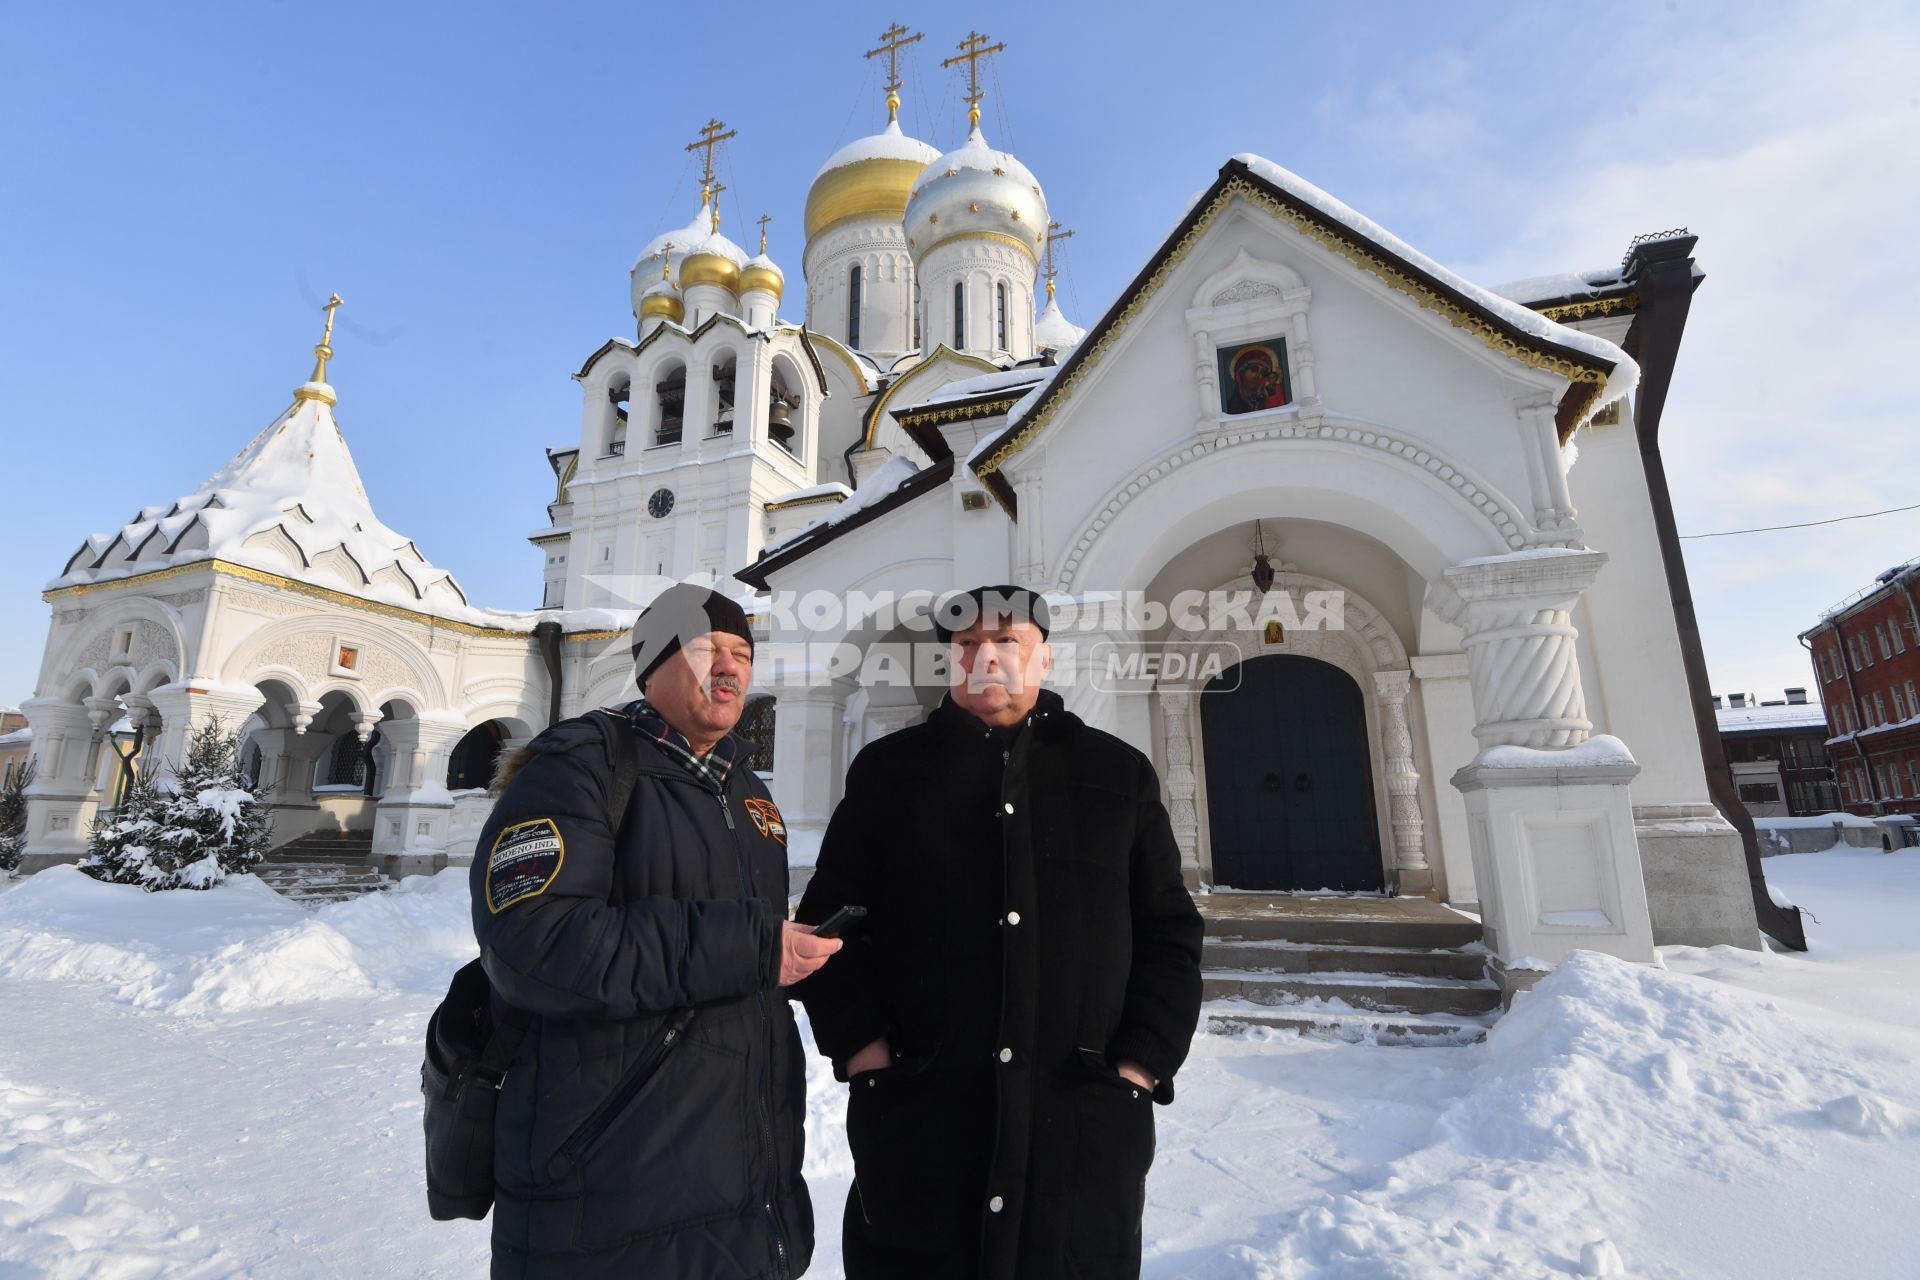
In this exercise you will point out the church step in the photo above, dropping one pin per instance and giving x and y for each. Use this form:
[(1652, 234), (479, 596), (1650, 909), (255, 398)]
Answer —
[(318, 875), (1412, 923), (1233, 1016), (330, 843), (1362, 992), (1286, 957)]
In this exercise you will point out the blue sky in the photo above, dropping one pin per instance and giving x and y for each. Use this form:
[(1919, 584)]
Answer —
[(186, 184)]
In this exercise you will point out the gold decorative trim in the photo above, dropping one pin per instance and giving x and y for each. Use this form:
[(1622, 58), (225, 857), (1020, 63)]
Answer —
[(1015, 241), (1389, 273), (886, 397), (833, 344), (282, 583), (957, 412), (1591, 308), (815, 500)]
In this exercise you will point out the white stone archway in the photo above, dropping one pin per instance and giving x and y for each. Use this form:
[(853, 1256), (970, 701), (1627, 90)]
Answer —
[(1368, 649)]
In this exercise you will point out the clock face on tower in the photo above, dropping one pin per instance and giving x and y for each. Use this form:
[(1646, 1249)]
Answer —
[(660, 503)]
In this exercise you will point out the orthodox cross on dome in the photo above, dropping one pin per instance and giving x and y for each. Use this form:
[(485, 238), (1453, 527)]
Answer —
[(711, 136), (763, 220), (892, 41), (717, 188), (972, 49), (1053, 233), (322, 353)]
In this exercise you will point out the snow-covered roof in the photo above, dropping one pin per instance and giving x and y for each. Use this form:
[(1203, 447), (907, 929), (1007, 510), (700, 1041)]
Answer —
[(889, 144), (1792, 715), (1567, 284), (290, 503), (1053, 331), (15, 738), (813, 493), (890, 476), (1625, 372), (986, 383), (974, 153), (721, 247), (680, 241)]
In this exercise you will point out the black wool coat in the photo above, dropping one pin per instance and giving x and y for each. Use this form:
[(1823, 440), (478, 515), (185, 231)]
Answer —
[(1028, 930), (610, 1158)]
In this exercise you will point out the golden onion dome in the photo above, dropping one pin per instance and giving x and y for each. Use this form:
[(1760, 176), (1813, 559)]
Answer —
[(868, 179), (973, 191), (662, 302), (761, 274), (707, 267)]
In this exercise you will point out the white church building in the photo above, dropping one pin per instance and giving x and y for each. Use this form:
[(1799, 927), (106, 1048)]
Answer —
[(1459, 674)]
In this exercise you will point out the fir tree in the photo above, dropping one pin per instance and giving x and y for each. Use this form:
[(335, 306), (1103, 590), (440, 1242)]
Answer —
[(206, 827), (13, 819)]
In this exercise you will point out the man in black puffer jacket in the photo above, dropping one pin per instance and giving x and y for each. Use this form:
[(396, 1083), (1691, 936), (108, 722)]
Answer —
[(1024, 986), (631, 1141)]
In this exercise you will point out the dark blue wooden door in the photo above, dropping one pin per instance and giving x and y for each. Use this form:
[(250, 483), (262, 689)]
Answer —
[(1289, 792)]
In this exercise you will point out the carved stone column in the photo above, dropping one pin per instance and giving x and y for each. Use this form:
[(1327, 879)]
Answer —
[(809, 763), (1520, 646), (184, 708), (413, 819), (1551, 823), (1403, 782), (58, 800), (1176, 712)]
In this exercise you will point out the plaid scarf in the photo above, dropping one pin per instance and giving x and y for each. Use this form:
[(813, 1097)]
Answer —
[(710, 770)]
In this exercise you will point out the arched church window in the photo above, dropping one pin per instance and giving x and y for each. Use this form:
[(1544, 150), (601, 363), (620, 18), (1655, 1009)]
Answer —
[(347, 763), (671, 393), (756, 729), (916, 315), (959, 316), (723, 384), (784, 408), (853, 308), (617, 397), (1000, 316), (471, 764)]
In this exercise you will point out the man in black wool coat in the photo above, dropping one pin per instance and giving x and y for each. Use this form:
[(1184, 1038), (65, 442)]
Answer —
[(1026, 982), (653, 1121)]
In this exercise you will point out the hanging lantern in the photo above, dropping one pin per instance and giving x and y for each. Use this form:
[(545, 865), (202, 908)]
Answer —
[(1262, 567)]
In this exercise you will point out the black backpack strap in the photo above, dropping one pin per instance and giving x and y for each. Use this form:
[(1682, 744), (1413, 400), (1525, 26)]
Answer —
[(492, 1063), (626, 765)]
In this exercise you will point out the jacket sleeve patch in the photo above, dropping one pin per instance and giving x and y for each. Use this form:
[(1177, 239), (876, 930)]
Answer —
[(525, 859), (766, 819)]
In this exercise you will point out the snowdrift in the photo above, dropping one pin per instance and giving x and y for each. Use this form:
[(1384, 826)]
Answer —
[(237, 946)]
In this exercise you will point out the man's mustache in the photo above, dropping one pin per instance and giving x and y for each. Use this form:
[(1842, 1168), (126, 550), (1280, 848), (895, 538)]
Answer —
[(724, 682)]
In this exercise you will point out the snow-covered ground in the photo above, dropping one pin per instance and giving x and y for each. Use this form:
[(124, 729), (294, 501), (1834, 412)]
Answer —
[(224, 1084)]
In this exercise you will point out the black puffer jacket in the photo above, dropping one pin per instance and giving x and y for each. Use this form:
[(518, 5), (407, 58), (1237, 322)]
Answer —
[(1028, 931), (612, 1159)]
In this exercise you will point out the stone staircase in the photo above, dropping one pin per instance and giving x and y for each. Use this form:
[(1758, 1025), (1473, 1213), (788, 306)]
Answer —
[(1373, 970), (323, 867)]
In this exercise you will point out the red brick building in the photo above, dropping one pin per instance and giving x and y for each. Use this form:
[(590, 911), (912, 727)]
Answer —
[(1866, 654)]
